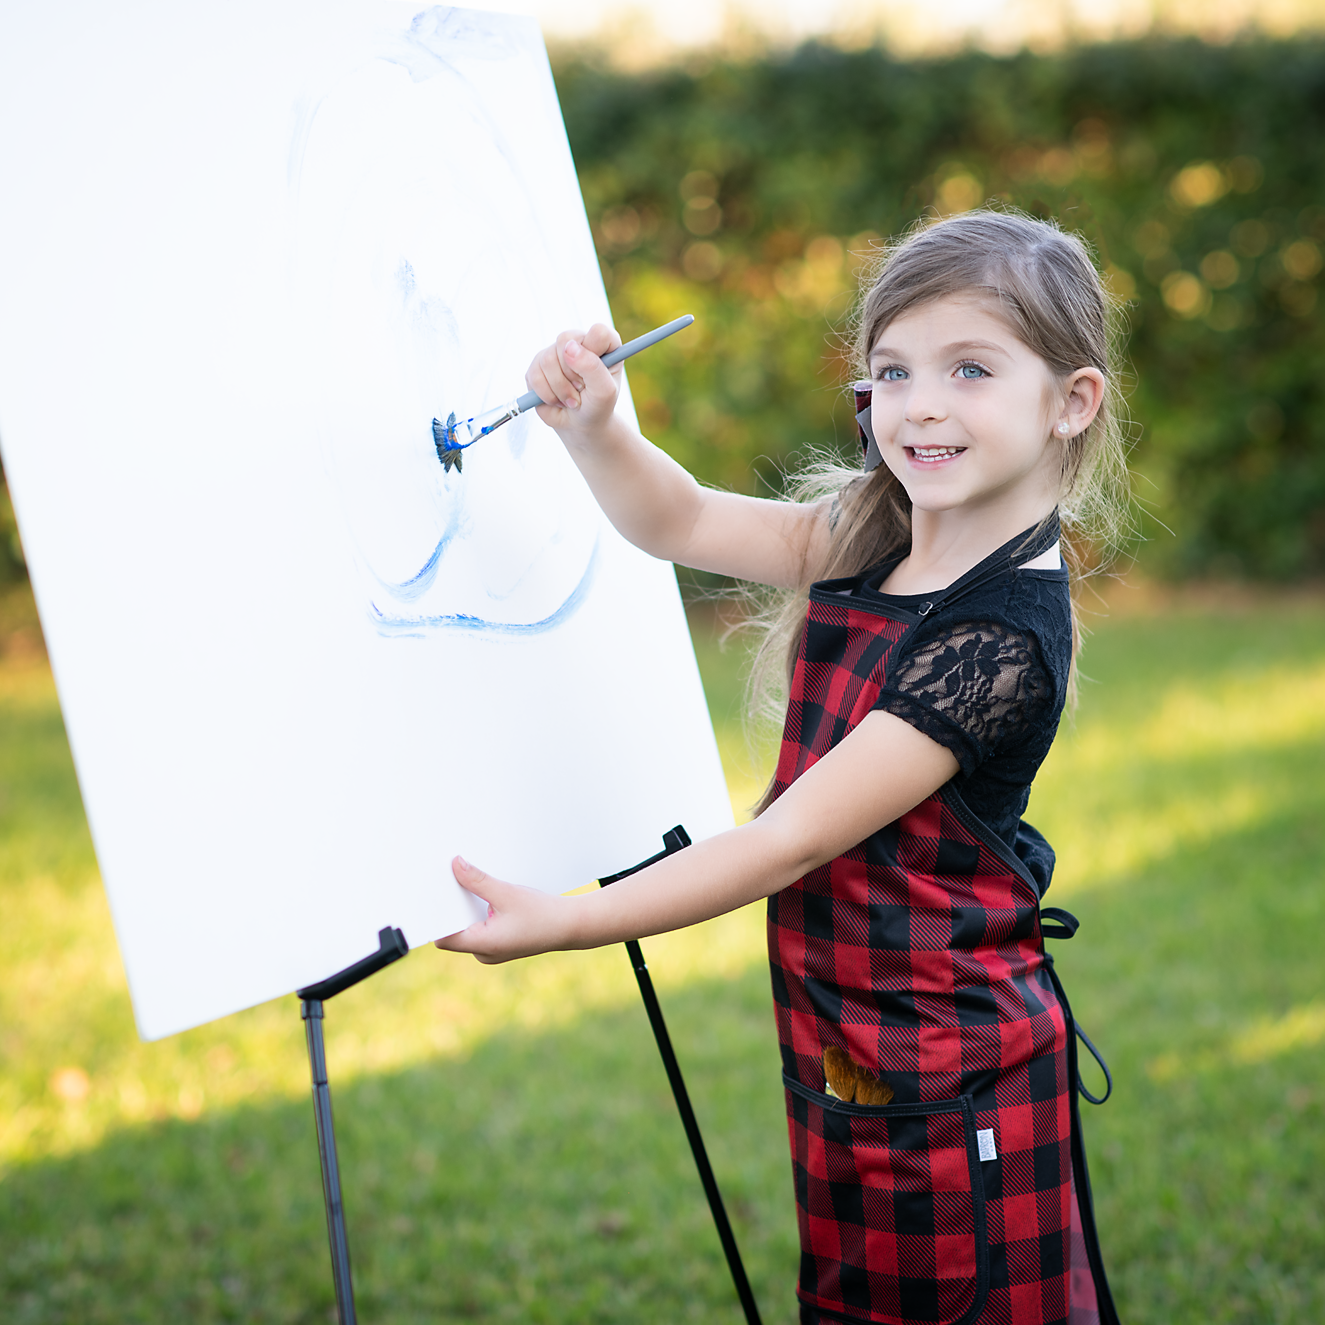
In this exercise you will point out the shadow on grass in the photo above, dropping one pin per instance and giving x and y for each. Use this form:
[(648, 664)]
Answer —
[(545, 1178)]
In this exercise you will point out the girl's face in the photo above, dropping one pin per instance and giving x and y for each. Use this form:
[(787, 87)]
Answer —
[(966, 416)]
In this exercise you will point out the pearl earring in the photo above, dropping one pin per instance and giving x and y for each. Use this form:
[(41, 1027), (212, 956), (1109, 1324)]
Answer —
[(1062, 429)]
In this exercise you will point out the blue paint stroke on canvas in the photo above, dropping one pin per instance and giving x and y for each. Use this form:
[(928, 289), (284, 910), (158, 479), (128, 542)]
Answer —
[(407, 591), (406, 627)]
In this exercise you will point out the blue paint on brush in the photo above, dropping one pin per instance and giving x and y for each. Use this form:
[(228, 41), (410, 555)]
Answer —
[(448, 447)]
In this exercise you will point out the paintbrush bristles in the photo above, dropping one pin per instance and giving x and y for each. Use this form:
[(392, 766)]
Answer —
[(449, 452), (852, 1083)]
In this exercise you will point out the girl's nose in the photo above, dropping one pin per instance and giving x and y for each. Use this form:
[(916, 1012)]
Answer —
[(924, 403)]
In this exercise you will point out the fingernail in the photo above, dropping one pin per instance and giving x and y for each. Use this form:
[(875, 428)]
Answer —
[(463, 863), (572, 348), (571, 403), (492, 910)]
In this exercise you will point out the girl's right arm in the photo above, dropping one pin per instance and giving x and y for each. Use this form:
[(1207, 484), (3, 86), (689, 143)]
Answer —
[(650, 499), (871, 777)]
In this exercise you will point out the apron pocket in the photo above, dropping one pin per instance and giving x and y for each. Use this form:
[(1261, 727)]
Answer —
[(891, 1206)]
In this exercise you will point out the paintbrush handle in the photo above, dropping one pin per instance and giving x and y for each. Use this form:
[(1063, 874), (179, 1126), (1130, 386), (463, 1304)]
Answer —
[(614, 357)]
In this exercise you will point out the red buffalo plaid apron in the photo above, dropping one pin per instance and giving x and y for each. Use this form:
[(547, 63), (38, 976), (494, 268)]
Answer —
[(920, 952)]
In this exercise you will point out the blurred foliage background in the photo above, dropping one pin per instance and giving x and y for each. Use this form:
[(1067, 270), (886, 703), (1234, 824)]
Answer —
[(751, 192)]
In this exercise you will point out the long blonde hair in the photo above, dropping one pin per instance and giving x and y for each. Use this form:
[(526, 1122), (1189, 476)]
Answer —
[(1042, 282)]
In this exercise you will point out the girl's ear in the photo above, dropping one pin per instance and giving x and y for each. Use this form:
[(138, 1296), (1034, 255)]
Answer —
[(1082, 399)]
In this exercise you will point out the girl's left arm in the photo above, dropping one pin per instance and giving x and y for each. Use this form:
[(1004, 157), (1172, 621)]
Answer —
[(873, 776)]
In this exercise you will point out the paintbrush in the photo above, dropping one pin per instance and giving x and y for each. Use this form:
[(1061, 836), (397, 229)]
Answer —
[(452, 439)]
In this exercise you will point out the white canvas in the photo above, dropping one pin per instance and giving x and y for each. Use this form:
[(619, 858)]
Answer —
[(247, 252)]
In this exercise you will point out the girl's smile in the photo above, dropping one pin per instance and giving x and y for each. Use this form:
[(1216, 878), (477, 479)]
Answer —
[(931, 455)]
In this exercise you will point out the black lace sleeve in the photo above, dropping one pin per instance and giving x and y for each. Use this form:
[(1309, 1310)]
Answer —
[(974, 687)]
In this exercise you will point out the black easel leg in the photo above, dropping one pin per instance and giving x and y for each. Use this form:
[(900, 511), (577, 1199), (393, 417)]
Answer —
[(691, 1124), (674, 840), (311, 1011)]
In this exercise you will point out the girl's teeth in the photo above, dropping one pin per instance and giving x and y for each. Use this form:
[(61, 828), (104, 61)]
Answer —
[(936, 452)]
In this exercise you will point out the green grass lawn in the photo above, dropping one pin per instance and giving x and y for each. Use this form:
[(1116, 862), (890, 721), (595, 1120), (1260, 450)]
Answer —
[(510, 1147)]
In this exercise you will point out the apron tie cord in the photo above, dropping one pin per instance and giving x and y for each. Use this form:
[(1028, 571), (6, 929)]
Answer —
[(1063, 925), (1066, 926), (1104, 1067)]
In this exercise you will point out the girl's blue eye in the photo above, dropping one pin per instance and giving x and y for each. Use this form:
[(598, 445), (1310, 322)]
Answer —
[(972, 371), (892, 374)]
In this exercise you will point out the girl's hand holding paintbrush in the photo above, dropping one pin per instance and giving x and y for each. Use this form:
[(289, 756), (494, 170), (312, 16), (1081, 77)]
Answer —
[(580, 390), (453, 437), (644, 493)]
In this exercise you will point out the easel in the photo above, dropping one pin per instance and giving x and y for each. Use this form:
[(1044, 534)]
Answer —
[(673, 841), (392, 947)]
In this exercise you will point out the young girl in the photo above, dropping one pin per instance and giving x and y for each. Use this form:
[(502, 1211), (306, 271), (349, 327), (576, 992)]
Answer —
[(928, 672)]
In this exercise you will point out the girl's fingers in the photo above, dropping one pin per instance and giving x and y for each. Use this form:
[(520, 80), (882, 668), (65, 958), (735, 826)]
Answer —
[(484, 887), (566, 373), (566, 350), (536, 380), (602, 339), (480, 883), (505, 932), (548, 376), (598, 382)]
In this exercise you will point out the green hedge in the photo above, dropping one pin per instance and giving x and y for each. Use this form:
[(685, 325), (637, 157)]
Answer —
[(741, 190)]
